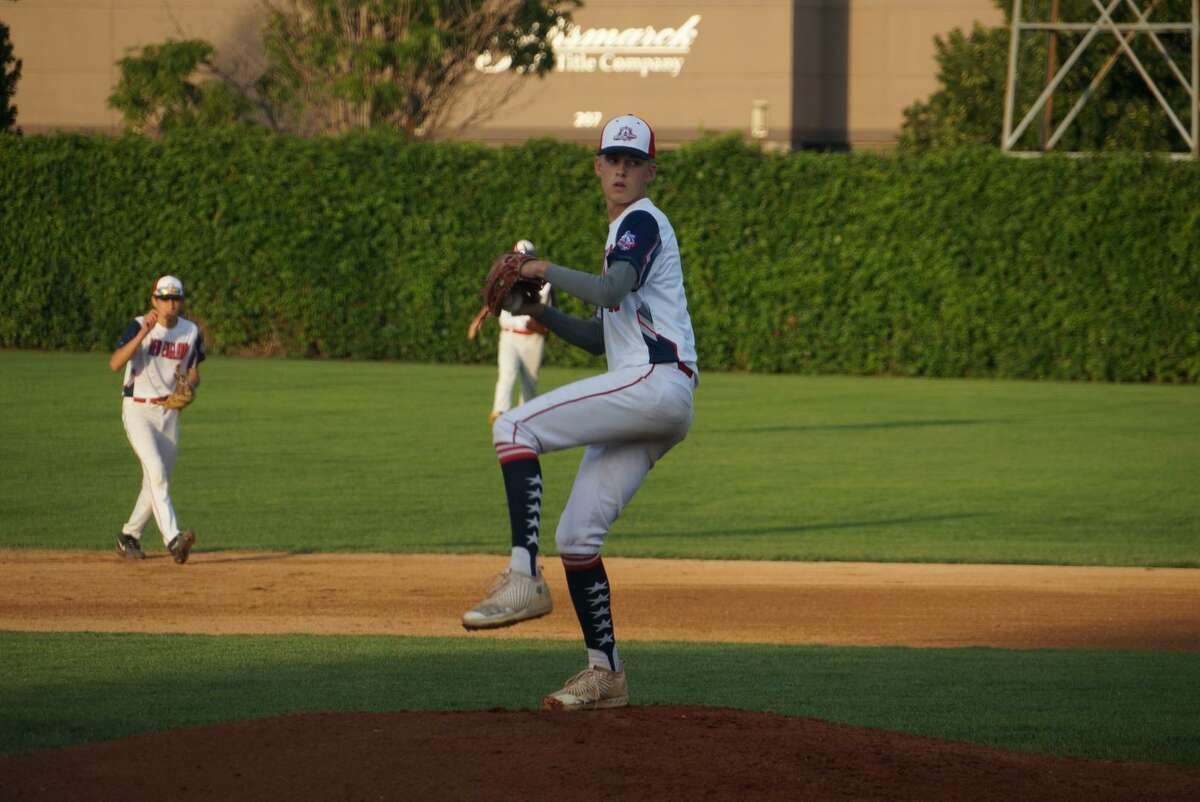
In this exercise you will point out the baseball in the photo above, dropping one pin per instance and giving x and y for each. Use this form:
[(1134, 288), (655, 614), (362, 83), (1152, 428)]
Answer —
[(525, 246)]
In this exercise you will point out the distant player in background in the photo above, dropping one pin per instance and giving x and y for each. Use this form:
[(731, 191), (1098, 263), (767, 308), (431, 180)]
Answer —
[(627, 418), (519, 351), (157, 350)]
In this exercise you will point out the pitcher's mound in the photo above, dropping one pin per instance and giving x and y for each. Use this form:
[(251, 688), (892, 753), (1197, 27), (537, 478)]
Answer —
[(637, 753)]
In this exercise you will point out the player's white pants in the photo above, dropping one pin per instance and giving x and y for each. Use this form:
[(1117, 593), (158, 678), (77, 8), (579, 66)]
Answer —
[(627, 418), (519, 355), (153, 431)]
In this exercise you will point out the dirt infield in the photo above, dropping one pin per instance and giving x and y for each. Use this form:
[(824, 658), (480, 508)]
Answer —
[(637, 753), (1019, 607)]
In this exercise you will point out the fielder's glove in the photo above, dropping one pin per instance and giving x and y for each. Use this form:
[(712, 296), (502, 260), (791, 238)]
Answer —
[(182, 395), (505, 288)]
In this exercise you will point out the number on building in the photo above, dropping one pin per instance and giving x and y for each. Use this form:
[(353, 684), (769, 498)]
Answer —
[(588, 119)]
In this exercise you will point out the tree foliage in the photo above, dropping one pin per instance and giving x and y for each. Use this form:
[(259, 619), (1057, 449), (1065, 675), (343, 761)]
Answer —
[(339, 65), (9, 75), (1121, 114), (158, 92)]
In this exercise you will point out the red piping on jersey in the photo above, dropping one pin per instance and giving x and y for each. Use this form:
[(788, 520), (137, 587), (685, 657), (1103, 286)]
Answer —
[(674, 345), (649, 255)]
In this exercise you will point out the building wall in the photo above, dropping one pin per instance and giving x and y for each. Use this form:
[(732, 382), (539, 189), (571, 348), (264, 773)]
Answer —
[(69, 49), (891, 57), (820, 72)]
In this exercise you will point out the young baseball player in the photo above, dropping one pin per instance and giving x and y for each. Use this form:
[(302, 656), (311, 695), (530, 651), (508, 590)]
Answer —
[(627, 418), (518, 352), (157, 350)]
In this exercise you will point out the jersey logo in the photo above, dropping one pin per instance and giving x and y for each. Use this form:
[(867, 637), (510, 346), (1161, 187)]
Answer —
[(627, 241), (626, 134), (169, 350)]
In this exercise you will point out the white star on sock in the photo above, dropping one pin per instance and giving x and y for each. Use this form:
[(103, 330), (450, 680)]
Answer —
[(599, 586), (605, 639), (598, 600)]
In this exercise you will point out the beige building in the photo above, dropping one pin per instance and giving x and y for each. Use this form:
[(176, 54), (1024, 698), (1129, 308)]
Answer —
[(793, 73)]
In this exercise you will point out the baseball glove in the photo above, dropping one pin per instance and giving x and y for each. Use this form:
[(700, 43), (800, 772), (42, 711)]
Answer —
[(505, 288), (182, 395)]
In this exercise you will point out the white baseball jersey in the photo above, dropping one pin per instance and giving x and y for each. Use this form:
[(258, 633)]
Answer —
[(150, 373), (651, 325)]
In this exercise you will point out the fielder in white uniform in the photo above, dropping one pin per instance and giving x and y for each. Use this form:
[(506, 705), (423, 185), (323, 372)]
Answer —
[(152, 348), (518, 352), (627, 418)]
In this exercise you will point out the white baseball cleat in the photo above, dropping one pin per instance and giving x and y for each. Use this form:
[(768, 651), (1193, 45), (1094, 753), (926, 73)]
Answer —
[(591, 689), (513, 597)]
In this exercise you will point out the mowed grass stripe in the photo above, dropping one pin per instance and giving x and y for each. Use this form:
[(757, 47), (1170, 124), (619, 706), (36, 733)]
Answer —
[(67, 688), (371, 456)]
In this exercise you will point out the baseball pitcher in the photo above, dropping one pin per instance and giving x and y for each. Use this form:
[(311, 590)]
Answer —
[(626, 418)]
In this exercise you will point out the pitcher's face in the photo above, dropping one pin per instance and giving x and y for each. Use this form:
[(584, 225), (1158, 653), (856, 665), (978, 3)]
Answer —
[(623, 180), (168, 310)]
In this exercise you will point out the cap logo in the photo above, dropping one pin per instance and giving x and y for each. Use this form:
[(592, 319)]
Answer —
[(627, 241), (626, 134)]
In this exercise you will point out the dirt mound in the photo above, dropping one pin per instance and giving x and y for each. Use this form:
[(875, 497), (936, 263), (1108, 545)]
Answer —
[(659, 753)]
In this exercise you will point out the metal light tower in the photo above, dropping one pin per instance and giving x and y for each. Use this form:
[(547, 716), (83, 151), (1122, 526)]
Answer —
[(1124, 33)]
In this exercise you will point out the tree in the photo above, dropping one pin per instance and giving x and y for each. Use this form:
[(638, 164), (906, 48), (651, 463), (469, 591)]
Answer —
[(336, 65), (8, 83), (155, 93), (1121, 115)]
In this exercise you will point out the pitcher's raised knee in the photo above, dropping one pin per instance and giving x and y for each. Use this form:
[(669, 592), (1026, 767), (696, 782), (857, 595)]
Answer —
[(511, 442)]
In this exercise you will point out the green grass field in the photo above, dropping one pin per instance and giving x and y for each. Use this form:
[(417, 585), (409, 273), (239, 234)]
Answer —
[(1105, 705), (386, 457), (353, 456)]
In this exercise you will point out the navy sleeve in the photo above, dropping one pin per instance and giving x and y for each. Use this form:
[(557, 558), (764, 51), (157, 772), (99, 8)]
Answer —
[(638, 243), (130, 332), (198, 355)]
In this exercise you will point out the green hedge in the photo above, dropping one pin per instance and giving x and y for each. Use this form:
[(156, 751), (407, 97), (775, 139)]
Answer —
[(966, 263)]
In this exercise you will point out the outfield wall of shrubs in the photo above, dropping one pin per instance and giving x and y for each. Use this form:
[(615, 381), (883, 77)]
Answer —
[(966, 263)]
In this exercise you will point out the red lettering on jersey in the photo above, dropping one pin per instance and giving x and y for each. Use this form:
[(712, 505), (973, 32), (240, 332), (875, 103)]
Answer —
[(175, 350), (155, 347)]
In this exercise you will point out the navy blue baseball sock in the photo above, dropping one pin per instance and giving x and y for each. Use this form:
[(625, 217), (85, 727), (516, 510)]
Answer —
[(523, 486), (589, 592)]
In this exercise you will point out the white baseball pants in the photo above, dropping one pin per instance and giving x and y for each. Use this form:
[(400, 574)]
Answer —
[(153, 432), (519, 355), (627, 418)]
